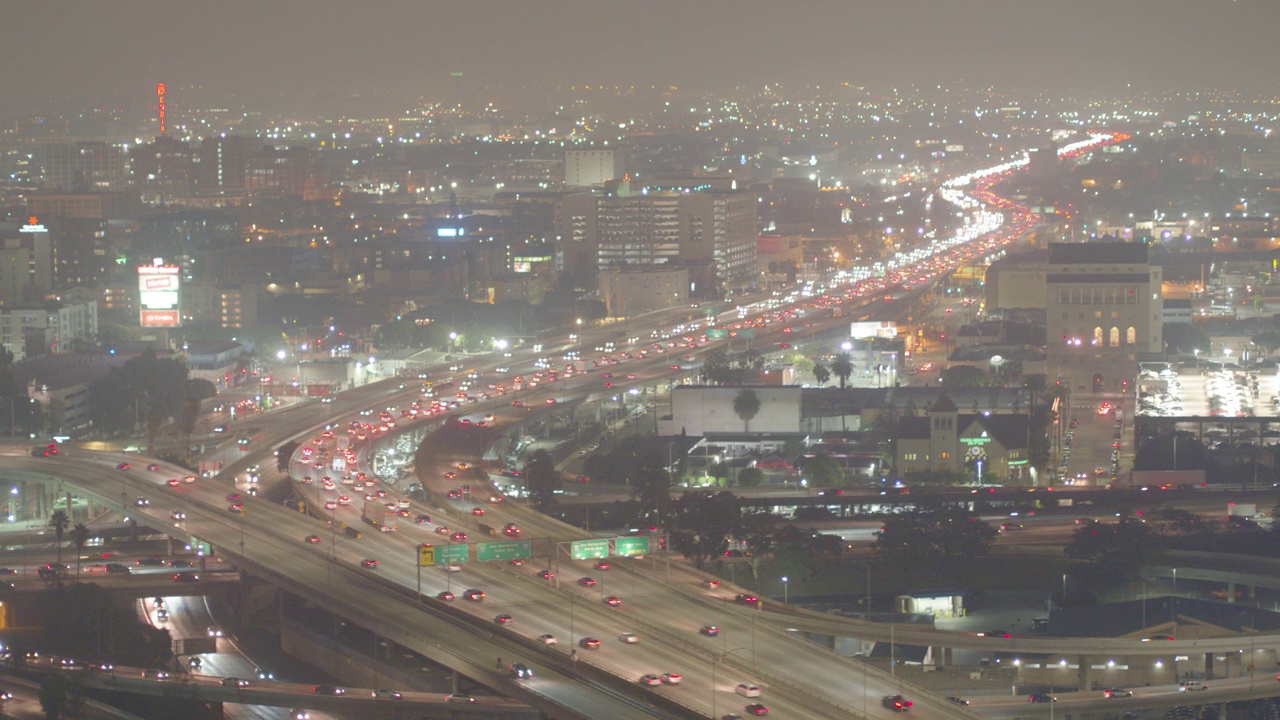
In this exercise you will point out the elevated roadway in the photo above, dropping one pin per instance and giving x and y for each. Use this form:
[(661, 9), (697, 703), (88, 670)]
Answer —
[(800, 678)]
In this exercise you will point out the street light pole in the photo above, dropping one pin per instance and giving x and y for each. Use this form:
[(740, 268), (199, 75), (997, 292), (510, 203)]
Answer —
[(784, 589)]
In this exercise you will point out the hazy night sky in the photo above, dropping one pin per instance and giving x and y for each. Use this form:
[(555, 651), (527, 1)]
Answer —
[(99, 49)]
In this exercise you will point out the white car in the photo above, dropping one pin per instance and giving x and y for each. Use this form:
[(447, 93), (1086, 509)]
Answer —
[(750, 690), (547, 639), (629, 637)]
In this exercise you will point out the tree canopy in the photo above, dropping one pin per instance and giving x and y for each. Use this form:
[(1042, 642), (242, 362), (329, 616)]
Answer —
[(541, 478), (746, 405), (963, 376), (822, 470), (935, 534)]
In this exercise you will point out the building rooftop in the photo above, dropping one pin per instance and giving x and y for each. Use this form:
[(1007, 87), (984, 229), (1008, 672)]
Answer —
[(1098, 253)]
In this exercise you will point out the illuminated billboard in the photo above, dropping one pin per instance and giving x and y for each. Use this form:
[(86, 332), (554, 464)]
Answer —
[(158, 296)]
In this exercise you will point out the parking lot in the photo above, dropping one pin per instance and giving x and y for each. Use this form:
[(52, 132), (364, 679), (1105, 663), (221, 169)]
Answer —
[(1166, 391)]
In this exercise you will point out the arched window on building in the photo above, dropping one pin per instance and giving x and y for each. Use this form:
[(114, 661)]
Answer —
[(1097, 337), (1115, 337), (1131, 336)]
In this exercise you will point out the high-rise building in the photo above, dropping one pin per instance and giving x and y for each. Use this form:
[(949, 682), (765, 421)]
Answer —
[(1103, 309), (712, 233), (80, 167)]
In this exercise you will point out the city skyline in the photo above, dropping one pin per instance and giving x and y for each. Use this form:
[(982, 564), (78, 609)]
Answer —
[(72, 52)]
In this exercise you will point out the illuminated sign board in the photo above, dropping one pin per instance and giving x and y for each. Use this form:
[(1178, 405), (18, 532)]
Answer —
[(33, 226), (158, 296), (450, 232)]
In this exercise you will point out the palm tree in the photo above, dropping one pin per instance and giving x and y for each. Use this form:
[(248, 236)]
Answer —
[(821, 374), (79, 538), (58, 521), (746, 405), (842, 367)]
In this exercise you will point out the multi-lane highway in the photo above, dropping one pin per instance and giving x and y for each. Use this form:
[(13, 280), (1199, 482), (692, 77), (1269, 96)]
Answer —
[(799, 679)]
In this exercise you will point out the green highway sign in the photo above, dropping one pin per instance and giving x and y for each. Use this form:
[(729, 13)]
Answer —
[(451, 554), (589, 549), (625, 546), (506, 550), (200, 547), (717, 334), (746, 333)]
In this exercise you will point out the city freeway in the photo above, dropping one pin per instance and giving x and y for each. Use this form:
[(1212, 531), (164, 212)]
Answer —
[(816, 682)]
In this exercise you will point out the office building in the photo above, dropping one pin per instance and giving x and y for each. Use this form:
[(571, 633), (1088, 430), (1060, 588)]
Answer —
[(711, 233), (1103, 309), (29, 331)]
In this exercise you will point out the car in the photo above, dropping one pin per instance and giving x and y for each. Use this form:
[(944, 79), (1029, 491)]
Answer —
[(1010, 527), (957, 700), (757, 709), (711, 584), (328, 690), (123, 466), (460, 698), (709, 630), (162, 614), (194, 662), (422, 519), (177, 515), (369, 563), (263, 674), (1192, 686), (141, 501), (458, 537), (520, 670), (450, 475), (442, 530), (602, 566), (548, 639), (546, 575), (445, 595), (386, 694), (747, 599), (474, 595), (1117, 693), (153, 467), (155, 675), (750, 690), (650, 679), (612, 601), (629, 638), (1041, 698), (234, 497), (182, 564), (587, 581), (896, 703), (234, 682), (214, 631), (118, 568), (299, 714), (313, 539), (184, 577), (175, 482), (672, 678), (504, 619), (512, 530), (589, 643), (235, 507)]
